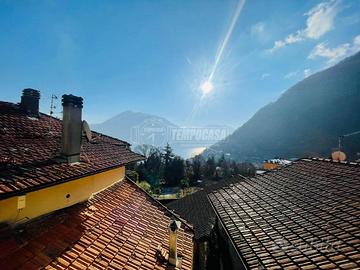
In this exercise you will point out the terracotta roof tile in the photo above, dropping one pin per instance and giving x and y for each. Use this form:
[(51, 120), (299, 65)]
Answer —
[(305, 215), (71, 239), (29, 147)]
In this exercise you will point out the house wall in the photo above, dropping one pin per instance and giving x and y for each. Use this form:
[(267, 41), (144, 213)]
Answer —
[(270, 166), (49, 199), (229, 258), (201, 253)]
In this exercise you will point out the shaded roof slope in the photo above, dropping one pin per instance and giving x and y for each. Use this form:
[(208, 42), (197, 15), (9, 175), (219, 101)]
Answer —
[(197, 209), (303, 216), (120, 227), (29, 147)]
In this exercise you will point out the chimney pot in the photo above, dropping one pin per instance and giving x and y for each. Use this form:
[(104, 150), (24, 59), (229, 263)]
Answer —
[(174, 227), (71, 128), (72, 100), (30, 102)]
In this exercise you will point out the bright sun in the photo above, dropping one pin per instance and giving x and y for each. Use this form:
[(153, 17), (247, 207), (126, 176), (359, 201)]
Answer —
[(206, 87)]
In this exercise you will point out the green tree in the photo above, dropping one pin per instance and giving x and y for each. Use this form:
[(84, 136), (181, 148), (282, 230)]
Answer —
[(153, 165), (210, 168), (184, 183), (225, 167), (197, 168), (177, 171), (246, 169), (167, 159)]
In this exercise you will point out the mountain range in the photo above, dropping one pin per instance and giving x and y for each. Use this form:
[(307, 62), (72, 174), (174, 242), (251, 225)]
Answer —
[(140, 128), (136, 128), (306, 120)]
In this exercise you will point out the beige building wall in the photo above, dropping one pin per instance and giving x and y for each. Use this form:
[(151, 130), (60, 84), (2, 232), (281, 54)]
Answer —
[(19, 209)]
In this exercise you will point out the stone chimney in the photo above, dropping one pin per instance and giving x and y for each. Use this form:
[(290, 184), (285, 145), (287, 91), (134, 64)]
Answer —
[(174, 227), (30, 102), (71, 128)]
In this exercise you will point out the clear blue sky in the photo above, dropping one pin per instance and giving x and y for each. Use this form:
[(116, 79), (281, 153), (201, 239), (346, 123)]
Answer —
[(151, 56)]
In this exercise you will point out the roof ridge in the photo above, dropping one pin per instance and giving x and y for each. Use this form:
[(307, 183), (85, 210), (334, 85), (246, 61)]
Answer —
[(329, 160), (309, 159), (221, 184), (8, 103), (306, 159), (110, 137)]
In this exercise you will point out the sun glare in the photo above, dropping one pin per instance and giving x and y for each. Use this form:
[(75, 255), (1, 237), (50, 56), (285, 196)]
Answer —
[(206, 87)]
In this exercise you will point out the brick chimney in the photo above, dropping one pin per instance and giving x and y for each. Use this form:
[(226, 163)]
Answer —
[(174, 227), (30, 102), (71, 128)]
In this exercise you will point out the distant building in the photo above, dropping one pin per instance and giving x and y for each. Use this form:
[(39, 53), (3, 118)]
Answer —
[(65, 201), (260, 171), (275, 163)]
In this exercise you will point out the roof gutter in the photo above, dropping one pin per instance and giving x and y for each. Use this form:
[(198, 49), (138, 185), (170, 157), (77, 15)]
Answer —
[(65, 180)]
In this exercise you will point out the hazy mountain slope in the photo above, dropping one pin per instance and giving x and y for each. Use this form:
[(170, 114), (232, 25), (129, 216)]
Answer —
[(306, 120), (128, 124), (141, 128)]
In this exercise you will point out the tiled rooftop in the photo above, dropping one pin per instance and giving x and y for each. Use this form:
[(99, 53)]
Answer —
[(197, 209), (302, 216), (29, 147), (120, 228)]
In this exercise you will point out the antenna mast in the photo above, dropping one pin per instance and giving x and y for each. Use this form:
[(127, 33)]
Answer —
[(52, 105), (341, 137), (52, 108)]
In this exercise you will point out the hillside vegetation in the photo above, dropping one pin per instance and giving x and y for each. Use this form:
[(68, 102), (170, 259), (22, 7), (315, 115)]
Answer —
[(305, 121)]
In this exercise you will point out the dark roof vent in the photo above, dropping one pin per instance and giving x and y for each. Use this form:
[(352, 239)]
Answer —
[(30, 102), (71, 128)]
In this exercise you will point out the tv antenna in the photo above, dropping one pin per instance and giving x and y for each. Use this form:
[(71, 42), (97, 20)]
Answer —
[(52, 108), (52, 105), (339, 154)]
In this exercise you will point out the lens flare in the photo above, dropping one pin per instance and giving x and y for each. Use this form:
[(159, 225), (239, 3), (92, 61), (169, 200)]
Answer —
[(206, 87), (226, 38)]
